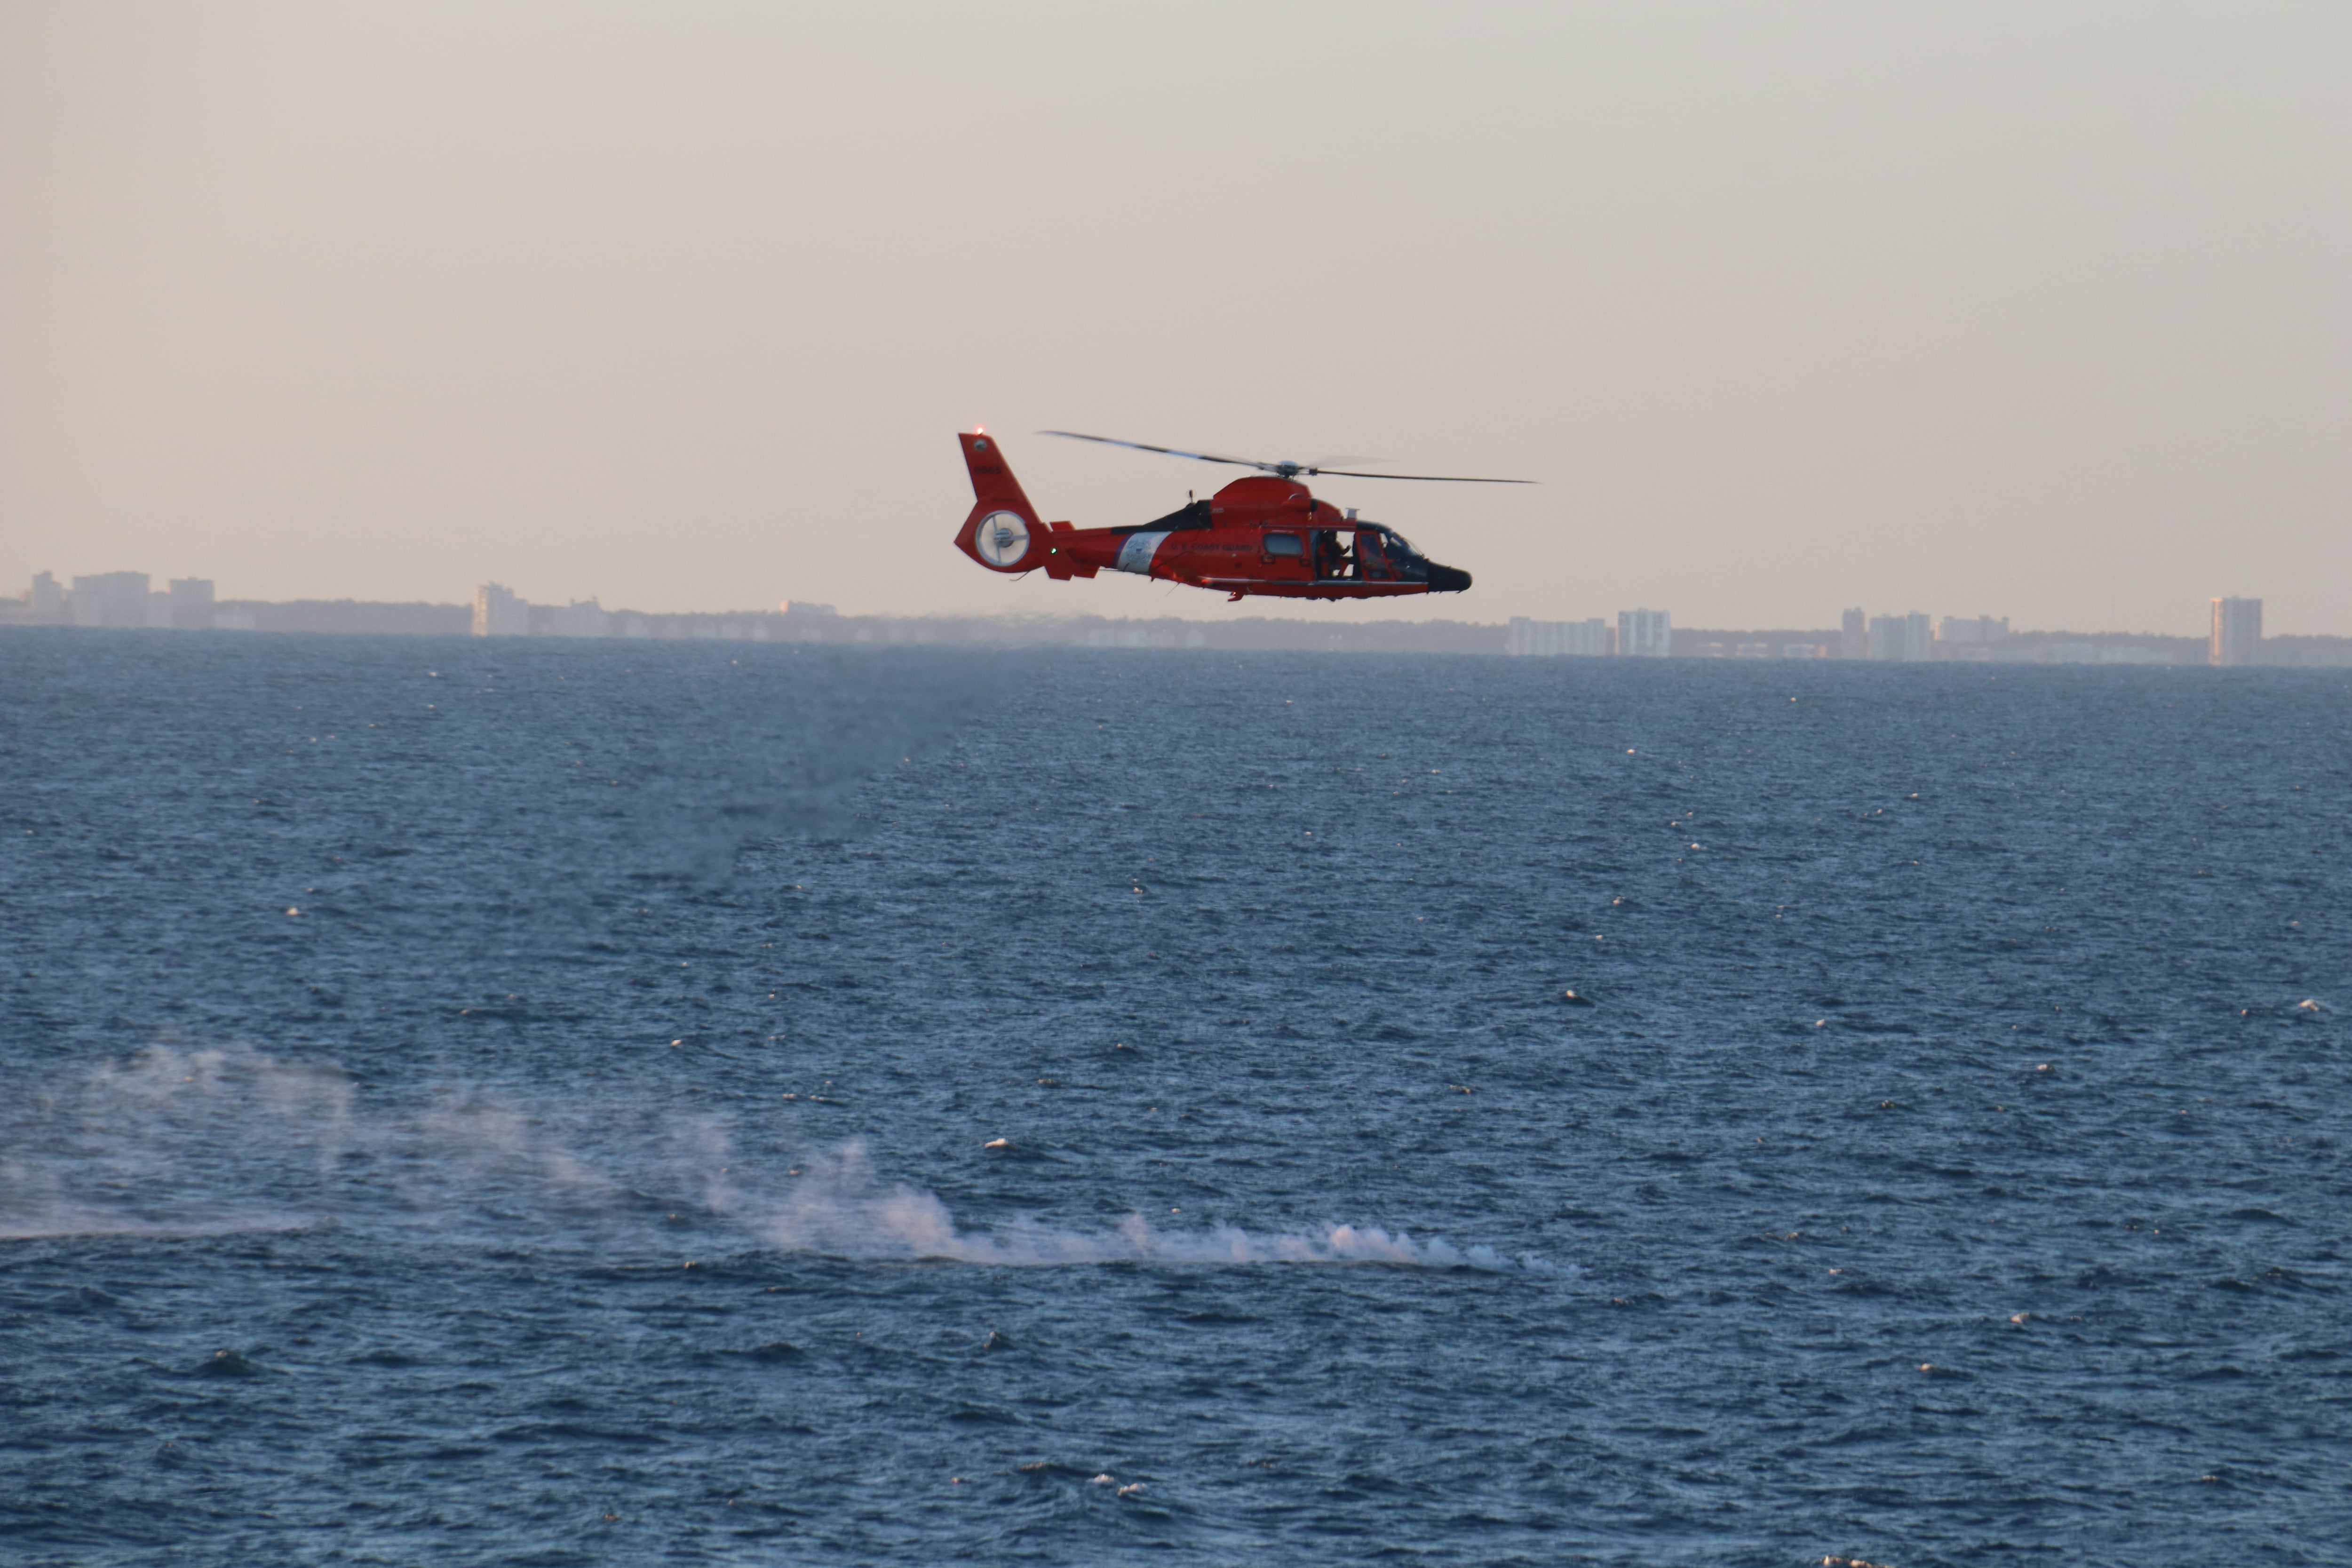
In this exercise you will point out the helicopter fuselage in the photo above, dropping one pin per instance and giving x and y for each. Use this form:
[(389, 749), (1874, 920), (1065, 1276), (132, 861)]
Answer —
[(1262, 535)]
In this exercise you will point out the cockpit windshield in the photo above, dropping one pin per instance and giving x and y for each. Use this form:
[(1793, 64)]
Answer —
[(1384, 555)]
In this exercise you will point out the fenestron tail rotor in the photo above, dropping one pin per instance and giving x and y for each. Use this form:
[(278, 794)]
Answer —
[(1288, 470)]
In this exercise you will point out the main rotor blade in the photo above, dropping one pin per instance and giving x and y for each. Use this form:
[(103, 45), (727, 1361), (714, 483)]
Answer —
[(1288, 470), (1170, 451), (1440, 479)]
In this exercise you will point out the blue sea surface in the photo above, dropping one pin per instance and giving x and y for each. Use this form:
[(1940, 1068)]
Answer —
[(537, 1102)]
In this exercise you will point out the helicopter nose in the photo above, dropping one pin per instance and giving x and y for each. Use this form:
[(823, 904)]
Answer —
[(1447, 579)]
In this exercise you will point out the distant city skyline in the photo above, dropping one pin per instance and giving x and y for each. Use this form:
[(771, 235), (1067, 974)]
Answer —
[(123, 600)]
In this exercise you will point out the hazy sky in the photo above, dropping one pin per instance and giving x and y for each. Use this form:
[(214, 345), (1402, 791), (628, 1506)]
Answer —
[(2040, 309)]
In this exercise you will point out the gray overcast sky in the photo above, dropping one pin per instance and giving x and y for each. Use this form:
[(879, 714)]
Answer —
[(2040, 309)]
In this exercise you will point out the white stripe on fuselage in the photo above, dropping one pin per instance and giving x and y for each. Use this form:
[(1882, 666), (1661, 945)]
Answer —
[(1135, 555)]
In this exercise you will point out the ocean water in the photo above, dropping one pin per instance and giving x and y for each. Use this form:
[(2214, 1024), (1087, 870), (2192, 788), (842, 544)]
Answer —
[(523, 1103)]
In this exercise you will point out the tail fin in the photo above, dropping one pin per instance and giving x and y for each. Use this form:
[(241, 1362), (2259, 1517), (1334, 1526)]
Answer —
[(992, 476), (1013, 538)]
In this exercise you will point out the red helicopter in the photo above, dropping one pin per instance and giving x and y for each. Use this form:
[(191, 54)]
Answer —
[(1264, 534)]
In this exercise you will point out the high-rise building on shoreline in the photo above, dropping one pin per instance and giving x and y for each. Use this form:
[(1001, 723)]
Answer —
[(110, 599), (1644, 634), (2237, 632), (1974, 631), (190, 604), (1901, 638), (1853, 638), (498, 614)]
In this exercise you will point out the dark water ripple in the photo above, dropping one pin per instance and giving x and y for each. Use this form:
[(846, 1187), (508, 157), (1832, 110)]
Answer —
[(596, 1168)]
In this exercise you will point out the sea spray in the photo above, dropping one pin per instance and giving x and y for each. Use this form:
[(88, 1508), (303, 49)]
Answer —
[(174, 1141), (840, 1206)]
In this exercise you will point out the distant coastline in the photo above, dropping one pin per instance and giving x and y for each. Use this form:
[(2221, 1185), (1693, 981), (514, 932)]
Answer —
[(814, 624)]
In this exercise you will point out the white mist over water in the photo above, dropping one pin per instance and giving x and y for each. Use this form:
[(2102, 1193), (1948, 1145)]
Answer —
[(839, 1205), (220, 1142)]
